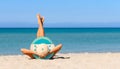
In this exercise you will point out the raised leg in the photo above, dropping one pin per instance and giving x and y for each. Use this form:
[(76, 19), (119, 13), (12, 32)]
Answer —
[(40, 32)]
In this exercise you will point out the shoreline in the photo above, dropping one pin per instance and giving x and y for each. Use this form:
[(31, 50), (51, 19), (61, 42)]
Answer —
[(66, 53), (63, 61)]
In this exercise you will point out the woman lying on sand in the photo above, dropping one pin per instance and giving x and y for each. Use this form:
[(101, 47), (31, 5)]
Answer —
[(40, 34)]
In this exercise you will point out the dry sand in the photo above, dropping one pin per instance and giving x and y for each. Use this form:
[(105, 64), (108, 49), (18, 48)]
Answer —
[(64, 61)]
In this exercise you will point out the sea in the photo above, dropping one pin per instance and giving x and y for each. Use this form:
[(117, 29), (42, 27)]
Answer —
[(74, 40)]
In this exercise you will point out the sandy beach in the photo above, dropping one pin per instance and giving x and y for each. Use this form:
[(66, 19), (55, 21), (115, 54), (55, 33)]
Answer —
[(63, 61)]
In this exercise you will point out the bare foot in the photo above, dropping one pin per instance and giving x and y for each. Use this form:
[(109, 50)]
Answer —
[(40, 19)]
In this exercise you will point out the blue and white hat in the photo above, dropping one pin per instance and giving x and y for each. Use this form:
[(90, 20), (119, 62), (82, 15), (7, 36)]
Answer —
[(42, 44)]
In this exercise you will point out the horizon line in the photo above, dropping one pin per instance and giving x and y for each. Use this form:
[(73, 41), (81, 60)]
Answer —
[(53, 27)]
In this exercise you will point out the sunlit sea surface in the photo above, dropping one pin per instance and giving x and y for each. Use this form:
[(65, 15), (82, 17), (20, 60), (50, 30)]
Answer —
[(74, 40)]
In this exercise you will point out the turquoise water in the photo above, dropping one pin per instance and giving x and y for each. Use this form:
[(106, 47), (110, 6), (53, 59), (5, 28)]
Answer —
[(74, 40)]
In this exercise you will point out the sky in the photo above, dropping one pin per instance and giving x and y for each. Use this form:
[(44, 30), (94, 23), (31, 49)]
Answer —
[(60, 13)]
